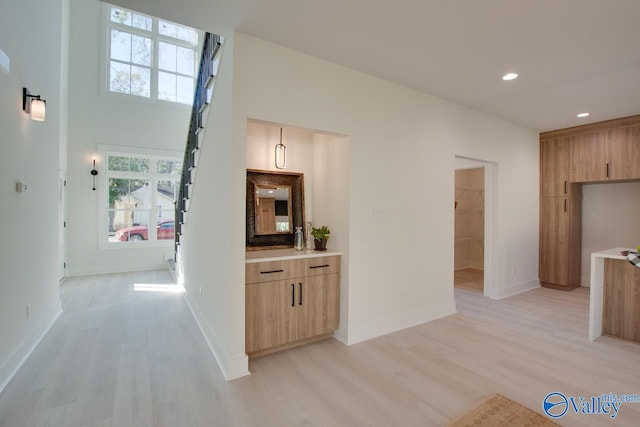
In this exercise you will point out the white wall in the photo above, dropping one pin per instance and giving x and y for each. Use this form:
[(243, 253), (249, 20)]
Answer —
[(209, 239), (609, 219), (261, 141), (399, 185), (401, 180), (97, 118), (31, 35)]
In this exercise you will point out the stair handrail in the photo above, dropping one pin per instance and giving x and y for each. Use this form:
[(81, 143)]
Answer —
[(206, 72)]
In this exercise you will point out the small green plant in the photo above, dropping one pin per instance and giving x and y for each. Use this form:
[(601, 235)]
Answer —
[(321, 233)]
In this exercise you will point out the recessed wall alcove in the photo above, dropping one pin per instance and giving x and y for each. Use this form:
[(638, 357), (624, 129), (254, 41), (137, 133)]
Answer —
[(323, 158)]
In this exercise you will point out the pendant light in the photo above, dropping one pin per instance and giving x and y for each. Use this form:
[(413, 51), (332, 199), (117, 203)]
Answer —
[(281, 154)]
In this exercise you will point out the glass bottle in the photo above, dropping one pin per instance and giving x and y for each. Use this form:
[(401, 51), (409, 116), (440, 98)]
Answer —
[(298, 239)]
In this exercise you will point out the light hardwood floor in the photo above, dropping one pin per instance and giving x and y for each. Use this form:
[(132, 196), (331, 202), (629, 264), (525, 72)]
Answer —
[(470, 279), (122, 357)]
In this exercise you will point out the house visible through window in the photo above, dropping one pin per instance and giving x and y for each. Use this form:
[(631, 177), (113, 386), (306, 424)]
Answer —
[(150, 57), (140, 201)]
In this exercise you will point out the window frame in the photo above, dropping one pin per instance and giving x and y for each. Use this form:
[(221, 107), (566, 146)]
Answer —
[(156, 38), (104, 151)]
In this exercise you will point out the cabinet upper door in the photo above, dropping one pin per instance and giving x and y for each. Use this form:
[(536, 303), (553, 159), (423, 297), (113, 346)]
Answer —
[(587, 154), (554, 167), (623, 148)]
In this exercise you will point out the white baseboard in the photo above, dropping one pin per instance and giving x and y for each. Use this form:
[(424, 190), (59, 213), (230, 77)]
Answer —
[(398, 322), (20, 355), (116, 269), (231, 368), (511, 290)]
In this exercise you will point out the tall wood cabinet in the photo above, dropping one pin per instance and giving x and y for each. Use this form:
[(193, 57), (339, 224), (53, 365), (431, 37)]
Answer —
[(598, 152), (560, 213), (290, 302)]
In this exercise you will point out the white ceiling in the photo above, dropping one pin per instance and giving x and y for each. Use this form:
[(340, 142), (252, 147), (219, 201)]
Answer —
[(572, 55)]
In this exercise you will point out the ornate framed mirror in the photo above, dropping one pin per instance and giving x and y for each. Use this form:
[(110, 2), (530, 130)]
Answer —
[(275, 207)]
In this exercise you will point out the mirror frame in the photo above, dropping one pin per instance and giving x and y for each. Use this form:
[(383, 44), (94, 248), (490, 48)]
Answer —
[(269, 178)]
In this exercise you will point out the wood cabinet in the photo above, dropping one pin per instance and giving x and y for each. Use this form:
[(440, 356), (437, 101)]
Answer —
[(587, 157), (560, 213), (623, 153), (291, 302), (598, 152), (621, 300), (560, 242), (606, 155), (554, 167)]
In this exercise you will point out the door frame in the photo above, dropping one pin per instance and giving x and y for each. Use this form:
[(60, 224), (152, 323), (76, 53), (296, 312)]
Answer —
[(62, 225), (490, 211)]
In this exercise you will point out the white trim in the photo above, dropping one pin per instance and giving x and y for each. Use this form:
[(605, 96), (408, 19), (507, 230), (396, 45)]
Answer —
[(152, 176), (119, 268), (490, 216), (156, 37), (514, 289), (390, 324), (11, 366), (126, 150), (231, 367)]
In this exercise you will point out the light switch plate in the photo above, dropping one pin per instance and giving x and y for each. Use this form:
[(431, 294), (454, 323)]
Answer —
[(21, 187), (5, 62)]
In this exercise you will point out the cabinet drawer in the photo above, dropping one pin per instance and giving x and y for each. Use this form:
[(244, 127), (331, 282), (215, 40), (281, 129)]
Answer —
[(270, 271), (319, 266)]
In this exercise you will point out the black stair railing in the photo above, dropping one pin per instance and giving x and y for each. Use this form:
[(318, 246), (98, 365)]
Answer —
[(206, 73)]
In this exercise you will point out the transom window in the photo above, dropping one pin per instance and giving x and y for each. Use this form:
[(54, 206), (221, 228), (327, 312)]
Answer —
[(140, 201), (150, 57)]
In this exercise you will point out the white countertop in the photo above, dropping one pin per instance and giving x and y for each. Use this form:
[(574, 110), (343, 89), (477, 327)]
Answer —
[(614, 253), (285, 254)]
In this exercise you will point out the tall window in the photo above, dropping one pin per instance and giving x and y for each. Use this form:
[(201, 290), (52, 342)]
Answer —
[(142, 190), (150, 57)]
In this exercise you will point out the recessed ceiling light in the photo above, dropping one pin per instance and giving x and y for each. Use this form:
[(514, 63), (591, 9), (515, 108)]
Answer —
[(510, 76), (582, 115)]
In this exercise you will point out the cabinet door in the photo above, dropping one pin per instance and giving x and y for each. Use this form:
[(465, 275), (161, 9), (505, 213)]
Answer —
[(621, 294), (554, 240), (554, 167), (319, 302), (269, 315), (623, 153), (587, 156)]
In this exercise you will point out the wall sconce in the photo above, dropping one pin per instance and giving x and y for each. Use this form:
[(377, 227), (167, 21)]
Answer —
[(94, 172), (34, 105), (281, 154)]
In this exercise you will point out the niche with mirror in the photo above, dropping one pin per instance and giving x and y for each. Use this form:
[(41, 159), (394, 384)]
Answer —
[(275, 207)]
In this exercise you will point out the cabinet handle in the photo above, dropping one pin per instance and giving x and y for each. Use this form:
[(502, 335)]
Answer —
[(565, 205), (300, 293), (607, 170), (565, 187), (319, 266), (271, 271), (293, 295)]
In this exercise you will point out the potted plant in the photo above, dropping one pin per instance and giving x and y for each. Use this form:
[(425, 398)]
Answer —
[(320, 237)]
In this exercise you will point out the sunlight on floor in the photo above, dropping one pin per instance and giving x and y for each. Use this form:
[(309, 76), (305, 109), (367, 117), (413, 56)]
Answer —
[(150, 287)]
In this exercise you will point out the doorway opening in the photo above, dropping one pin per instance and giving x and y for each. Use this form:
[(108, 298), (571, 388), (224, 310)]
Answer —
[(469, 230), (473, 230)]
